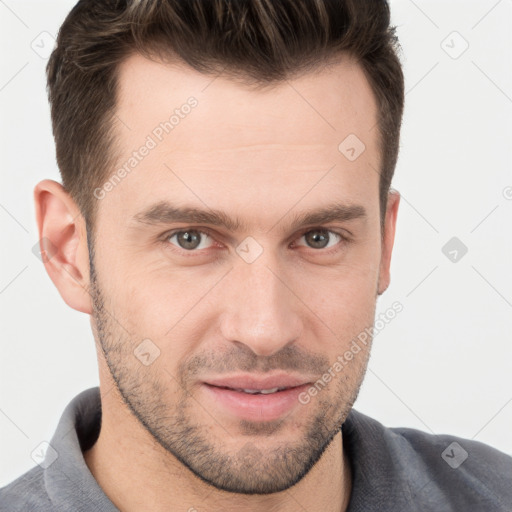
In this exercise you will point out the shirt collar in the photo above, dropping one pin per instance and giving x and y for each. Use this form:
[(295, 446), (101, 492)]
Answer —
[(69, 483)]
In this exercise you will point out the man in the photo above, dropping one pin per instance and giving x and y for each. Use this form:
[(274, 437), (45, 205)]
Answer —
[(227, 222)]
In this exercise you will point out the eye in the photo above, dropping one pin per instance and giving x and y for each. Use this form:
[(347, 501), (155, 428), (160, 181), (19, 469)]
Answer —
[(188, 239), (195, 240), (322, 238)]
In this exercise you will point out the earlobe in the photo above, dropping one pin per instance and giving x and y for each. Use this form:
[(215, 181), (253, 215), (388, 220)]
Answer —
[(63, 243), (388, 240)]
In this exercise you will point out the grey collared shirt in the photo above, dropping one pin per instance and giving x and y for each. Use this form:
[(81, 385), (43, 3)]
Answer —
[(393, 469)]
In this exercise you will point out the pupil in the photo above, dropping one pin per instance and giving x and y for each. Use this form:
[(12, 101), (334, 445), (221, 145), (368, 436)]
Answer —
[(191, 241), (318, 238)]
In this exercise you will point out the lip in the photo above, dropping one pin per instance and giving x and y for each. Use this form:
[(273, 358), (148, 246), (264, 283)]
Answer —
[(259, 383), (222, 393)]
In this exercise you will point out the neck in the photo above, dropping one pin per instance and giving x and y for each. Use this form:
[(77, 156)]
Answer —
[(136, 473)]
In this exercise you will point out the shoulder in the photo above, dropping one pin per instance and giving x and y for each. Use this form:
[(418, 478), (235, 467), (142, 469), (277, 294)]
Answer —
[(466, 471), (436, 469), (27, 493)]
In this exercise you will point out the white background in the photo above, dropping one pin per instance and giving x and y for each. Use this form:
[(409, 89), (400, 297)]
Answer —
[(443, 365)]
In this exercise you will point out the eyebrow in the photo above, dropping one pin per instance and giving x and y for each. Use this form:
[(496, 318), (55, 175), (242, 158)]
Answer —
[(166, 213)]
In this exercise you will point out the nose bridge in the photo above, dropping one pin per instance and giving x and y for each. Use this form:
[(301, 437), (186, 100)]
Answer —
[(261, 311)]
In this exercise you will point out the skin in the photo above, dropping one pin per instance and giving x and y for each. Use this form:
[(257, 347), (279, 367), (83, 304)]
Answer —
[(262, 156)]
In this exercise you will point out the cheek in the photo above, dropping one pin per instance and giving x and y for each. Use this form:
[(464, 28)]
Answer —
[(159, 301), (340, 301), (343, 298)]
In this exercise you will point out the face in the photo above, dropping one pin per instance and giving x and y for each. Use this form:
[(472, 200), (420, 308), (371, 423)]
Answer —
[(240, 250)]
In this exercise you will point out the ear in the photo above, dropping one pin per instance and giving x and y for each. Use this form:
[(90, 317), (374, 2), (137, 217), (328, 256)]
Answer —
[(388, 239), (63, 243)]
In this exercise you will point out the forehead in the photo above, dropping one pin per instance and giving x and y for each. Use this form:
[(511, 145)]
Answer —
[(317, 108), (284, 137)]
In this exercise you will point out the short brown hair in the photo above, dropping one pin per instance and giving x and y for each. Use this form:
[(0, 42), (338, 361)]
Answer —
[(259, 41)]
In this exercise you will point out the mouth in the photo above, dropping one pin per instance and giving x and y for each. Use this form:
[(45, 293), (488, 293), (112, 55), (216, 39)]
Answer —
[(252, 383), (253, 401), (256, 391)]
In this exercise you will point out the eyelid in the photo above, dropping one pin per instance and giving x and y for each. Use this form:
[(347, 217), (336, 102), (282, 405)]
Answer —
[(343, 233)]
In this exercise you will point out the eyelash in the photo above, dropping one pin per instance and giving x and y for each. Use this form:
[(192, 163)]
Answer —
[(193, 252)]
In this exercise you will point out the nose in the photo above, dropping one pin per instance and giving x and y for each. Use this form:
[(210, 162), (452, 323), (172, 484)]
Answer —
[(260, 309)]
